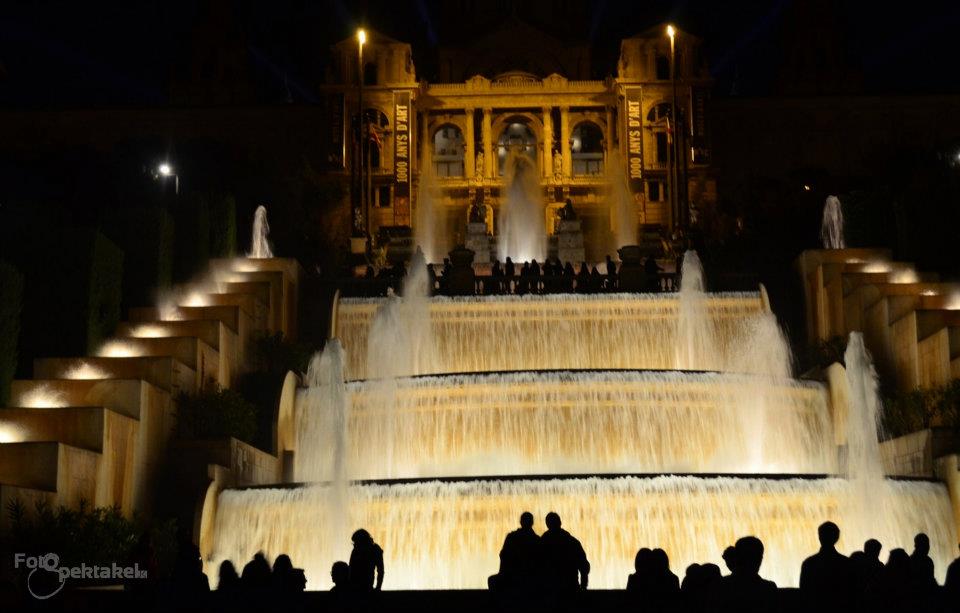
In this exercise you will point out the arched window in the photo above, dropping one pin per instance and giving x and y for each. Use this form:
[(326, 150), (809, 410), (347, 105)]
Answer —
[(586, 149), (663, 67), (516, 136), (448, 151), (658, 116), (376, 124), (370, 73)]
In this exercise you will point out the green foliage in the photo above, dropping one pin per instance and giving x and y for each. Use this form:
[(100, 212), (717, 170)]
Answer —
[(99, 536), (104, 292), (216, 413), (146, 236), (918, 409), (11, 302)]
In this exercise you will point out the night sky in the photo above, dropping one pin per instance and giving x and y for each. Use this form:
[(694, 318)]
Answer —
[(77, 54)]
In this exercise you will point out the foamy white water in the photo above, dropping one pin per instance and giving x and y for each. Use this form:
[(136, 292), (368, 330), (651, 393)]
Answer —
[(521, 231), (259, 243)]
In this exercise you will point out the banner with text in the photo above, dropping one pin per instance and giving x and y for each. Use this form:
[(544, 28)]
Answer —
[(633, 118), (401, 158), (699, 142)]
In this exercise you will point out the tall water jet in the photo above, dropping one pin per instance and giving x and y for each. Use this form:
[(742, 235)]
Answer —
[(259, 244), (696, 343), (623, 215), (522, 224), (427, 232), (863, 417), (831, 228)]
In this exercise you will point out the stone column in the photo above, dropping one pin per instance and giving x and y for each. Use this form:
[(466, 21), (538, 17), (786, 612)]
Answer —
[(547, 142), (425, 145), (565, 141), (469, 155), (488, 164), (608, 136)]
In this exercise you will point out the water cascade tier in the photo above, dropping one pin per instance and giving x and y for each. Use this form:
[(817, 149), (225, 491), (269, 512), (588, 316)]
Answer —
[(447, 535), (573, 332), (584, 422)]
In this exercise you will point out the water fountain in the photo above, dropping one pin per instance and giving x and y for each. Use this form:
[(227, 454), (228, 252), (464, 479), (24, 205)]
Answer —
[(831, 229), (584, 405), (623, 216), (259, 244), (522, 224), (427, 234)]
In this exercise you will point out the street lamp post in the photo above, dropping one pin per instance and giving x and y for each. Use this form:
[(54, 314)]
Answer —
[(674, 196), (362, 132)]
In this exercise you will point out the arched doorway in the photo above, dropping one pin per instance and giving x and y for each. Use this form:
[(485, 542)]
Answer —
[(448, 151), (517, 136), (586, 149)]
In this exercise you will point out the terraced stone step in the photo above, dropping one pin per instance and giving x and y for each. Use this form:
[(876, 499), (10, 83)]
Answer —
[(213, 332), (189, 350), (167, 373)]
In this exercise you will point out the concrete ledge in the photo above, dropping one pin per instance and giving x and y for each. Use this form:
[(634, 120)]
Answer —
[(69, 472), (916, 454)]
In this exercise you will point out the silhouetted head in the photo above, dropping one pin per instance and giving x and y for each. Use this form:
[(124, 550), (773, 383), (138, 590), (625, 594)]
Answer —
[(872, 548), (749, 552), (730, 557), (898, 565), (709, 572), (361, 537), (921, 544), (829, 534), (660, 560), (282, 565), (227, 574), (256, 572), (526, 520), (340, 573), (553, 521), (643, 560)]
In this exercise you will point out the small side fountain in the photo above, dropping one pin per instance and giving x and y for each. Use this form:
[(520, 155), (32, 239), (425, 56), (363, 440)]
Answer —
[(259, 244), (831, 228)]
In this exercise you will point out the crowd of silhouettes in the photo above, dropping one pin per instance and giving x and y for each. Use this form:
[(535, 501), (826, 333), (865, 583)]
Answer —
[(553, 567)]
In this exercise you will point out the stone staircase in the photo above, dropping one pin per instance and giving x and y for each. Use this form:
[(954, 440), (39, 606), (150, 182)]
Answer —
[(910, 320), (96, 428)]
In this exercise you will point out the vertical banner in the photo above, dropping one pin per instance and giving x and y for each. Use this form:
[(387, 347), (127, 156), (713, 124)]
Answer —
[(633, 127), (699, 141), (337, 131), (401, 158)]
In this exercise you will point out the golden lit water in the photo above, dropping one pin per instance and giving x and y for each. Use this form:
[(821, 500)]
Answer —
[(567, 423), (447, 535), (555, 332)]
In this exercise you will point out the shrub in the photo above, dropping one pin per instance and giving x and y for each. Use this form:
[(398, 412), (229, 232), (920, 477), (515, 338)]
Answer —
[(216, 413), (919, 409)]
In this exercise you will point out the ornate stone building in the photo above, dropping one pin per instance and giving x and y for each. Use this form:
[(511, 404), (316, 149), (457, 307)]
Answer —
[(584, 136)]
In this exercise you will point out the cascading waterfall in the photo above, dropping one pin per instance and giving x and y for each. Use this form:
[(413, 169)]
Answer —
[(623, 214), (259, 244), (831, 228), (437, 534), (522, 233), (572, 423), (572, 332), (539, 394)]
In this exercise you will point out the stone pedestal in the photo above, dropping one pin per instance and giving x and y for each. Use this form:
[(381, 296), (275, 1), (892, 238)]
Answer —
[(478, 241), (570, 242)]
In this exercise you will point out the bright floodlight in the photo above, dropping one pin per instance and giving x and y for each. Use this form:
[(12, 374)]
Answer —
[(165, 169), (671, 31), (361, 36)]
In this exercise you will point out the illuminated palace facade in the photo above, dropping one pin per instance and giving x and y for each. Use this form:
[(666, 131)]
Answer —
[(583, 135)]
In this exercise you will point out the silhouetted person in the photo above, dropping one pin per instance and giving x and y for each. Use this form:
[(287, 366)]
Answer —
[(895, 590), (565, 565), (508, 268), (583, 279), (281, 577), (653, 583), (340, 575), (366, 559), (568, 276), (866, 565), (921, 566), (228, 579), (256, 574), (612, 277), (652, 271), (826, 577), (730, 558), (699, 582), (519, 557), (951, 586), (744, 589), (190, 586)]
